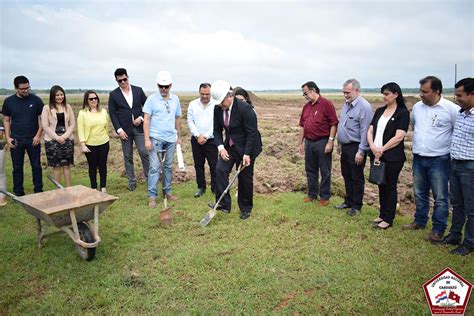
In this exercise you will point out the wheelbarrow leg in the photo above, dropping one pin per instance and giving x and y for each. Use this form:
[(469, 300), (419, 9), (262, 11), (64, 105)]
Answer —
[(41, 232), (94, 227)]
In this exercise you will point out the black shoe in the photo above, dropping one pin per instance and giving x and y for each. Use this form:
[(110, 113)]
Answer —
[(244, 215), (342, 206), (449, 240), (462, 250), (353, 212), (132, 186), (199, 192), (219, 208)]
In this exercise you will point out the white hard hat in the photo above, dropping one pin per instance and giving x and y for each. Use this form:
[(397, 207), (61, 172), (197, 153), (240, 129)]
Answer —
[(163, 78), (219, 90)]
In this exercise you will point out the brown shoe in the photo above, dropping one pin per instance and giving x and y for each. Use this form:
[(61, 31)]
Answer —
[(323, 202), (433, 237), (413, 226), (151, 202), (171, 197), (308, 199)]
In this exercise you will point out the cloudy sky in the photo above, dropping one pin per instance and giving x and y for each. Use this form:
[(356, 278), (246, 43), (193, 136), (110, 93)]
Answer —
[(255, 44)]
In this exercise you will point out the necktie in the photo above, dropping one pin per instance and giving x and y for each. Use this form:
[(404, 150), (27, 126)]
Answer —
[(226, 124), (226, 118)]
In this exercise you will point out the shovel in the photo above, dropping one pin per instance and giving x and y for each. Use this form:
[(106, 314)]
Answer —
[(212, 212), (165, 214)]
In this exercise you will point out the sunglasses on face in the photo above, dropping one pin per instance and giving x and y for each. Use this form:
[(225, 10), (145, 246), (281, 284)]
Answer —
[(93, 99), (164, 87), (122, 80)]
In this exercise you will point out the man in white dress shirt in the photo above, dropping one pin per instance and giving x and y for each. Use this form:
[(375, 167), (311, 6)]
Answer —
[(201, 124), (126, 113), (433, 120)]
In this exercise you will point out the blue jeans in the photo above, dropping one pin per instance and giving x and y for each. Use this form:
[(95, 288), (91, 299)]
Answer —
[(431, 173), (155, 167), (462, 199), (18, 159)]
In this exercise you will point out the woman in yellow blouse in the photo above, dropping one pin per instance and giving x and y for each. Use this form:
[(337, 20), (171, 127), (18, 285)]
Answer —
[(93, 130)]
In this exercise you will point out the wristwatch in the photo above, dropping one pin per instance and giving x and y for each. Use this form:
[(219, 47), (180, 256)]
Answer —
[(331, 139)]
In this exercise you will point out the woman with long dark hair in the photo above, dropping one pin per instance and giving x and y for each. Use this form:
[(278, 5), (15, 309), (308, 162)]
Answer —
[(93, 130), (385, 136), (57, 120)]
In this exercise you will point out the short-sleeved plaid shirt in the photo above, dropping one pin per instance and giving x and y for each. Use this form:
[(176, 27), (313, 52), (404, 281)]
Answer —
[(462, 144)]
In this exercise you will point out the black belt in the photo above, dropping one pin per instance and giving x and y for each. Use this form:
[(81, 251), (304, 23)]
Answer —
[(316, 139), (462, 161), (350, 144)]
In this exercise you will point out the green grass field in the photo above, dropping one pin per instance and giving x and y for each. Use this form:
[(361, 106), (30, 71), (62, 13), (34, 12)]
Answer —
[(288, 257)]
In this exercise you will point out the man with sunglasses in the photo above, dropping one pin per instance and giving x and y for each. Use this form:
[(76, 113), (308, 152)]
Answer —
[(126, 113), (22, 113), (162, 128)]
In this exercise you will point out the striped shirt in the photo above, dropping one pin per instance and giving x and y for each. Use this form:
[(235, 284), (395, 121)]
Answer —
[(462, 145)]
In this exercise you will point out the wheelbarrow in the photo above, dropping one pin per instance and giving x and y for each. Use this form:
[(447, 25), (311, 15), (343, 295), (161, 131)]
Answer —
[(74, 210)]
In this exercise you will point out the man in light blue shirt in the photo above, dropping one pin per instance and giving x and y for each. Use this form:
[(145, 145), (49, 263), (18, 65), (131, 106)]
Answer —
[(354, 121), (433, 121), (162, 129), (201, 125)]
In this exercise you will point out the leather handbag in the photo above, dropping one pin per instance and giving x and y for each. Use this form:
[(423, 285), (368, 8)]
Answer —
[(377, 172)]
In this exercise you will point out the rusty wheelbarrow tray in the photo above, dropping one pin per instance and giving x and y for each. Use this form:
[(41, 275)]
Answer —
[(75, 210)]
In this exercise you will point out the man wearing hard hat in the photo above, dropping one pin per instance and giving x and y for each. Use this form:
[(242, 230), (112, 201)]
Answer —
[(162, 129), (242, 144)]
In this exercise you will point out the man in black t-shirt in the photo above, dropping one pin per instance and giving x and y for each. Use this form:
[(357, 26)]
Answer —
[(23, 130)]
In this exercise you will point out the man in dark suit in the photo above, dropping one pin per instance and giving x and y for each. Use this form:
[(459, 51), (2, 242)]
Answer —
[(126, 113), (242, 144)]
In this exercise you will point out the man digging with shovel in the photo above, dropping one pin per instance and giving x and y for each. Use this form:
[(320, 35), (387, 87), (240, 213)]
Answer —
[(242, 145)]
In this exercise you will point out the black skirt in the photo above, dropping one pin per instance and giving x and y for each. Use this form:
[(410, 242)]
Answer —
[(59, 154)]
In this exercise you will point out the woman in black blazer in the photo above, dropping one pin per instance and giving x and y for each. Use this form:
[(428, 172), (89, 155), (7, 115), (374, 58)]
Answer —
[(385, 136)]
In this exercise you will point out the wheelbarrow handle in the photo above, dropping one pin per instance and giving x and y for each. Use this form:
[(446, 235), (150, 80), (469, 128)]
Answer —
[(56, 183), (13, 196)]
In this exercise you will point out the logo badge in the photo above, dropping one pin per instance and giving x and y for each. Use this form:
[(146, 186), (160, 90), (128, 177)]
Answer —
[(447, 293)]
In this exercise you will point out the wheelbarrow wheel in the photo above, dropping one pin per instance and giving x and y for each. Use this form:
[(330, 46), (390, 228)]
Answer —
[(85, 235)]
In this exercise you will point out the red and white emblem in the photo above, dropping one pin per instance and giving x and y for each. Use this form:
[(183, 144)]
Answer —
[(447, 293)]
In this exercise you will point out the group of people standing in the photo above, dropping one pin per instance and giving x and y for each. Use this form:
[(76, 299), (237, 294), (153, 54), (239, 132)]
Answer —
[(443, 153), (224, 131), (153, 124)]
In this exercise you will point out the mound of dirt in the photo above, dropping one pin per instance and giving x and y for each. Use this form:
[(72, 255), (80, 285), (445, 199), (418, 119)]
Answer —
[(254, 98)]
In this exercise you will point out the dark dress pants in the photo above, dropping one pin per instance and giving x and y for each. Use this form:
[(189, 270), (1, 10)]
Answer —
[(316, 160), (18, 159), (200, 154), (388, 193), (137, 136), (353, 175), (245, 187)]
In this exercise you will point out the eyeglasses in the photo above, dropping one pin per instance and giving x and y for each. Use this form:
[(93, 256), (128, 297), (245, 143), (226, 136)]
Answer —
[(164, 87), (167, 106), (93, 98), (305, 94), (122, 80), (24, 89)]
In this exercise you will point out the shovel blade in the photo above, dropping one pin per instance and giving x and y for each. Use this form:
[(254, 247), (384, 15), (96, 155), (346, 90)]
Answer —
[(165, 216), (209, 216)]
